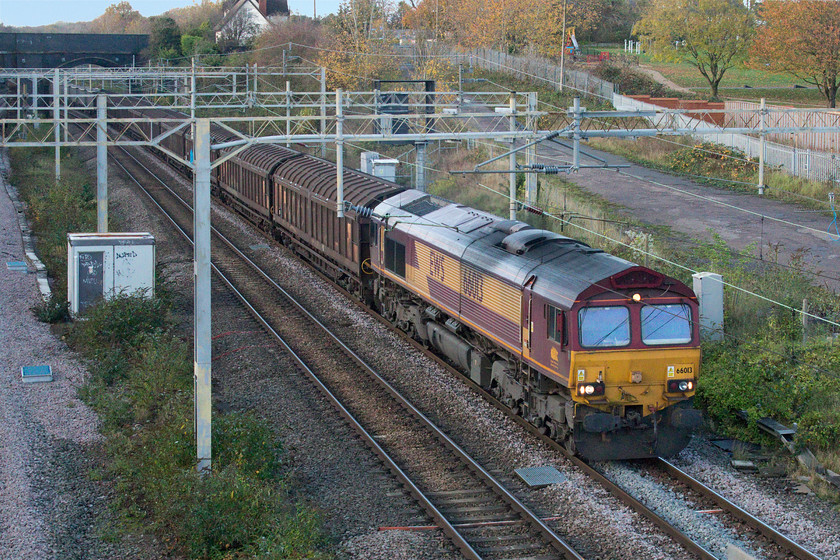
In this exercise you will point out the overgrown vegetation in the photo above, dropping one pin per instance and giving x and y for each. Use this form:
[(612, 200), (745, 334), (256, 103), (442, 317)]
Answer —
[(54, 209), (141, 387), (632, 82), (717, 165)]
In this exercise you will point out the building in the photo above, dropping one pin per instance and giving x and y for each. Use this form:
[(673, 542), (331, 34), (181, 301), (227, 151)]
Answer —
[(245, 19)]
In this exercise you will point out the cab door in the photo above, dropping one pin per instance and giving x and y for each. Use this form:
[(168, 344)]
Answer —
[(527, 324)]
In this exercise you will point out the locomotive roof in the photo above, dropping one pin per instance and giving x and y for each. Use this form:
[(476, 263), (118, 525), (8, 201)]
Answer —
[(508, 249)]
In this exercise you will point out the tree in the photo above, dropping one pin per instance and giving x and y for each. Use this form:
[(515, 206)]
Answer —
[(301, 31), (711, 35), (165, 39), (239, 29), (359, 46), (117, 19), (802, 38)]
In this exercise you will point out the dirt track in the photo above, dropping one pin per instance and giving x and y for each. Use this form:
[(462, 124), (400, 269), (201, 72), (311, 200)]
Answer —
[(693, 209)]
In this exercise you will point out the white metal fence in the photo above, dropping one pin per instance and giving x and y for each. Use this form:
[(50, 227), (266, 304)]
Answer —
[(806, 163), (787, 116), (535, 69)]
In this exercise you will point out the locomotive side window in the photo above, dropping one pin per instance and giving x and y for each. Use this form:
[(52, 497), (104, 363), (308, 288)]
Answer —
[(666, 324), (556, 330), (374, 234), (604, 327), (395, 257)]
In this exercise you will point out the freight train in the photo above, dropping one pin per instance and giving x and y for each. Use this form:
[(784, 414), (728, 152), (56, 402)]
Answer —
[(600, 353)]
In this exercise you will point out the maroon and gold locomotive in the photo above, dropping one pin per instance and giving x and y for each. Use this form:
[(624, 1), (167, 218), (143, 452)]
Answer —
[(601, 353)]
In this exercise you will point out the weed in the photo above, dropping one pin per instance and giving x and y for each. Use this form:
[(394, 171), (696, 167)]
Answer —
[(54, 309)]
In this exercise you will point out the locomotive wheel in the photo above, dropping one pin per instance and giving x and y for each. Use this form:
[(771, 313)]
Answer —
[(569, 443)]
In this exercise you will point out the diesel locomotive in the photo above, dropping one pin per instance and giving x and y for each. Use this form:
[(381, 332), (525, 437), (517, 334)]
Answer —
[(600, 353)]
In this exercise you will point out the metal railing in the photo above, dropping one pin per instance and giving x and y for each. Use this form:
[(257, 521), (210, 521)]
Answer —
[(536, 69), (806, 163)]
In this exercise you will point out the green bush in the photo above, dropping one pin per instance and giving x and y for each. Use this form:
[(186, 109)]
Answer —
[(55, 309), (709, 159), (123, 320), (54, 209), (631, 82), (820, 429)]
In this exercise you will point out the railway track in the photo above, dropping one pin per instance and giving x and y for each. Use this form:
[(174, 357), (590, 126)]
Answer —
[(465, 502), (783, 547), (482, 518)]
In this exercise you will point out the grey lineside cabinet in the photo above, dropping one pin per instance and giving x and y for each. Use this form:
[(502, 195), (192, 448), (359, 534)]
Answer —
[(100, 265)]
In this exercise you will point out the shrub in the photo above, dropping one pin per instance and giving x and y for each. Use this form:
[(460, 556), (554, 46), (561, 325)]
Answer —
[(716, 160), (122, 320), (54, 309), (631, 82)]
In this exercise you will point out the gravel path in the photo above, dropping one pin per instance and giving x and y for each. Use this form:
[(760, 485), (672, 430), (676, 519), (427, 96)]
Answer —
[(49, 505)]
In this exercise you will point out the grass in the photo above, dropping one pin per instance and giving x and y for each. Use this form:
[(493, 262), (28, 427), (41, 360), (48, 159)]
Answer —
[(54, 209), (719, 166), (141, 388), (775, 87)]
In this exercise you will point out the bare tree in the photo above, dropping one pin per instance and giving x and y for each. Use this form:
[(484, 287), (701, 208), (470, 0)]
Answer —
[(239, 29)]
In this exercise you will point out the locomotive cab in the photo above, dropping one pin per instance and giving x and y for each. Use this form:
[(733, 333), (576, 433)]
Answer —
[(628, 350)]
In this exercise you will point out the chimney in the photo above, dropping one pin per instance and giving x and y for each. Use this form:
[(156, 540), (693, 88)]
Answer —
[(264, 7)]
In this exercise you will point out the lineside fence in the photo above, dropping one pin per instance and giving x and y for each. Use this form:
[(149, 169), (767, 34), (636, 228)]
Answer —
[(535, 69), (806, 163), (811, 155)]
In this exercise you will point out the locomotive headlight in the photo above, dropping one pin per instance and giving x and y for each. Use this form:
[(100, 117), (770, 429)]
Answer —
[(637, 297), (591, 389), (680, 385)]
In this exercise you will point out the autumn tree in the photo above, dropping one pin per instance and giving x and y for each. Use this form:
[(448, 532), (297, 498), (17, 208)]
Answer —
[(711, 35), (190, 18), (239, 30), (802, 38), (510, 25), (303, 33), (359, 49), (118, 18)]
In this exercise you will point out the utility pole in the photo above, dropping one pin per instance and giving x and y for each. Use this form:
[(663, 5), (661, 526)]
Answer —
[(202, 349), (101, 165), (512, 163), (339, 153), (563, 48), (762, 146), (57, 122)]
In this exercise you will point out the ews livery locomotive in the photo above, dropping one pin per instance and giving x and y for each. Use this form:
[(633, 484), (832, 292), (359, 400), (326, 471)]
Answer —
[(599, 352)]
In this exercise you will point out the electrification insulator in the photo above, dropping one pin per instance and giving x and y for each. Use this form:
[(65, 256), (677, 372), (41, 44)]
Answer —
[(362, 211)]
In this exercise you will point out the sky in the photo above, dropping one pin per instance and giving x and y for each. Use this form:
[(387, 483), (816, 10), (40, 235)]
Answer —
[(42, 12)]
